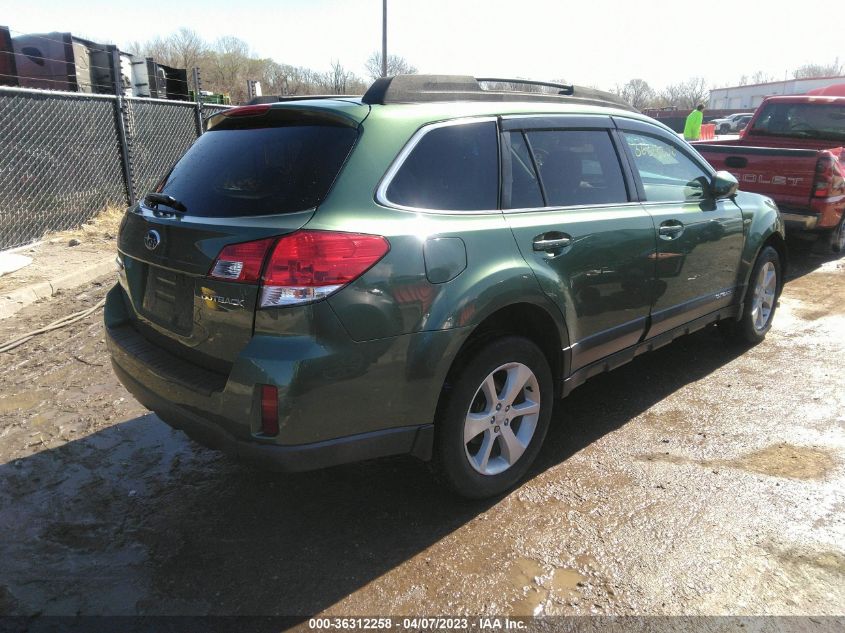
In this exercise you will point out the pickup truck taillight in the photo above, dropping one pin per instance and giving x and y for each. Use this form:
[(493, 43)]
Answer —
[(829, 179), (302, 267)]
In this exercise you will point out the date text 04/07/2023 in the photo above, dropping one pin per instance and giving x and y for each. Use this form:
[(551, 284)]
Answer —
[(423, 623)]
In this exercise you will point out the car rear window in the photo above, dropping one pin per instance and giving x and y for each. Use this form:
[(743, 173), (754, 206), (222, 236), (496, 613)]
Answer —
[(801, 120), (259, 171), (455, 167)]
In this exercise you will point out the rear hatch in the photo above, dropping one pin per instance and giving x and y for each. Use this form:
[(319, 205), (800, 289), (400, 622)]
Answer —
[(258, 173)]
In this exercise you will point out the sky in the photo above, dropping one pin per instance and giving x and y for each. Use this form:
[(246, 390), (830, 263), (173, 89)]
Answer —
[(598, 43)]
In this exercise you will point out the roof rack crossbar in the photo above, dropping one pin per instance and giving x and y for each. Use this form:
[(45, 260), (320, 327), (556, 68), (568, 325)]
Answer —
[(563, 89)]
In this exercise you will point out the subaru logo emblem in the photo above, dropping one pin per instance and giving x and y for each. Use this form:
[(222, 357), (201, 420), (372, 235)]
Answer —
[(152, 239)]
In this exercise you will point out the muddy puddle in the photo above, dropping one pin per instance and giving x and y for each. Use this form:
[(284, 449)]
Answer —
[(23, 401), (540, 585), (778, 460)]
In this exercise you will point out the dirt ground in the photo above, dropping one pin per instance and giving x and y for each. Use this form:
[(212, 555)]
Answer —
[(699, 479), (65, 250)]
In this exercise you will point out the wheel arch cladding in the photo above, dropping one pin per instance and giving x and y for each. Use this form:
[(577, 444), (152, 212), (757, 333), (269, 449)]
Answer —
[(529, 320)]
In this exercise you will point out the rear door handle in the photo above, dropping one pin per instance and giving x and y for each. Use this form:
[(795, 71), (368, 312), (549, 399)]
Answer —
[(542, 243), (670, 229)]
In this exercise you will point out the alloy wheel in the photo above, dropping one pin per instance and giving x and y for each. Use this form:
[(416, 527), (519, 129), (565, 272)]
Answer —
[(763, 301), (502, 418)]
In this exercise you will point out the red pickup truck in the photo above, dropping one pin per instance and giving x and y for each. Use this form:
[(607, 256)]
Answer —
[(792, 151)]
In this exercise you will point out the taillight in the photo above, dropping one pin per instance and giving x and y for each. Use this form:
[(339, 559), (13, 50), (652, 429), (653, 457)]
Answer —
[(269, 410), (309, 265), (241, 262), (824, 176), (302, 267)]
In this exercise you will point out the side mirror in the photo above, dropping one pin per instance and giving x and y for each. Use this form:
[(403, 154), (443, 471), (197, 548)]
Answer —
[(723, 185)]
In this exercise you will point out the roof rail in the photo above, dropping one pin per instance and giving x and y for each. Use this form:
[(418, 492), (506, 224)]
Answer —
[(562, 89), (429, 88)]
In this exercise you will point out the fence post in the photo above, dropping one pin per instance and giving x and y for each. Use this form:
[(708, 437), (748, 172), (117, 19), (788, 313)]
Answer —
[(122, 115), (198, 98)]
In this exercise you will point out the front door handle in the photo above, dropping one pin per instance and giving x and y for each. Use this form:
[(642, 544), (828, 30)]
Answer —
[(549, 243), (670, 230)]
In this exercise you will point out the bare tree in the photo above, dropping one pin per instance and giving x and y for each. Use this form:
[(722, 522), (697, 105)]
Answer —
[(158, 48), (808, 71), (396, 65), (298, 80), (187, 49), (228, 66), (685, 95), (340, 81), (637, 92), (335, 80), (761, 77)]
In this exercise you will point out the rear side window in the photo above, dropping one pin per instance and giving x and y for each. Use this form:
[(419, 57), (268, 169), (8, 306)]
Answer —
[(454, 167), (578, 167), (259, 171)]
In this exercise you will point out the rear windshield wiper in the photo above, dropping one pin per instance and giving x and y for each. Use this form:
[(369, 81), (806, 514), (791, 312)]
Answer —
[(155, 199)]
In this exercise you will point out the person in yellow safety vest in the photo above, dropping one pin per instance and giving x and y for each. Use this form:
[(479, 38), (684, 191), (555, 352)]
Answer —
[(692, 128)]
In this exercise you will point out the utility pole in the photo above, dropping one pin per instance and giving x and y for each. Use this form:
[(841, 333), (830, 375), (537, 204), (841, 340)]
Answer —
[(384, 38)]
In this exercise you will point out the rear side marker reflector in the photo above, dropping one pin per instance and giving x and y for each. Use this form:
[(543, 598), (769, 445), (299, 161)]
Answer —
[(269, 410)]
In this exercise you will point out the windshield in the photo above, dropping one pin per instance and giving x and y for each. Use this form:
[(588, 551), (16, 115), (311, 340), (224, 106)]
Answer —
[(801, 120)]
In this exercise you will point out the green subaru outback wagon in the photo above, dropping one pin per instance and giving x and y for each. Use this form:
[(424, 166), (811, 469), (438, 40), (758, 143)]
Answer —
[(424, 270)]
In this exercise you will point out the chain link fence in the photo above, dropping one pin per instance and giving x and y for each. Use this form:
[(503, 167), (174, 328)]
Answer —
[(63, 155), (160, 132)]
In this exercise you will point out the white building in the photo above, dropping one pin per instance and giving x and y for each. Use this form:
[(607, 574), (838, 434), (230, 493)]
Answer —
[(749, 97)]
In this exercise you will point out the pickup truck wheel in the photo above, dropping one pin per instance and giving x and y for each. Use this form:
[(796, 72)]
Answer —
[(494, 418), (761, 298), (837, 237)]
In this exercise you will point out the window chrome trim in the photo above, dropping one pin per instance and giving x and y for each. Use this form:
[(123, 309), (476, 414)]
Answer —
[(539, 121), (576, 207), (396, 165)]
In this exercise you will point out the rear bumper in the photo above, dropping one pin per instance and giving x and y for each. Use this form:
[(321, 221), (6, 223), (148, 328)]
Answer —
[(799, 221), (339, 400), (823, 214), (413, 440)]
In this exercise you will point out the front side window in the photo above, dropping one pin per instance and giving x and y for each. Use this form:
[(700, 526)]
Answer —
[(454, 167), (525, 186), (578, 167), (667, 174)]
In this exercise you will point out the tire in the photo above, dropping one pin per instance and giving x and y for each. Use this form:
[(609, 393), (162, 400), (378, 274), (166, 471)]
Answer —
[(475, 417), (837, 237), (761, 299)]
